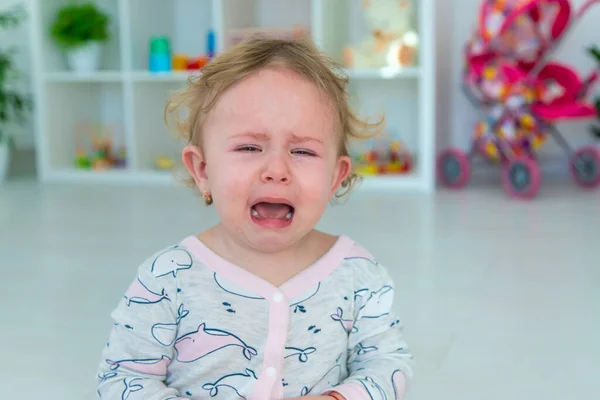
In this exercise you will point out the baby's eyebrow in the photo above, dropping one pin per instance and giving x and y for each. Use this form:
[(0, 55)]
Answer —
[(301, 139), (255, 135), (264, 136)]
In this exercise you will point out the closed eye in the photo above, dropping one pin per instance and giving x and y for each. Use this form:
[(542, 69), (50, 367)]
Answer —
[(304, 152), (248, 148)]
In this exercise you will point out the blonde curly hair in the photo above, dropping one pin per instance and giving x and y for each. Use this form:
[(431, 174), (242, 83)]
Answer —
[(188, 109)]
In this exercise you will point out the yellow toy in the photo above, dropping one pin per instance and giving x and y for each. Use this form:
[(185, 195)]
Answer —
[(164, 163), (394, 160)]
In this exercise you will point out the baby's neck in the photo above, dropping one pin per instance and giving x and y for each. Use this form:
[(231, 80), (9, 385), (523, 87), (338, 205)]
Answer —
[(274, 267)]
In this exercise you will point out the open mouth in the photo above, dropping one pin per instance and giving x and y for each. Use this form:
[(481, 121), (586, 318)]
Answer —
[(272, 213)]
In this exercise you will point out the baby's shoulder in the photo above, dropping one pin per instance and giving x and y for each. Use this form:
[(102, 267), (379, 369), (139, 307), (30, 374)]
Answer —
[(363, 264), (171, 261)]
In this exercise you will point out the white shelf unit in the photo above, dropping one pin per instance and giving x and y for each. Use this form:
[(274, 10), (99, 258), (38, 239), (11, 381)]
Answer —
[(126, 95)]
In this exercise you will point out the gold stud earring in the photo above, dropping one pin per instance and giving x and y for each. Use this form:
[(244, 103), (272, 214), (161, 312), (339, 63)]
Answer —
[(207, 198)]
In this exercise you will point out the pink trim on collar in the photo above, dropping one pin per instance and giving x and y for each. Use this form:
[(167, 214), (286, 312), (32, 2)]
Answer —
[(292, 288)]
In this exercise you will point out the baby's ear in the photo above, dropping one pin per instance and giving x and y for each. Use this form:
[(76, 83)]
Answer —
[(193, 158), (342, 171)]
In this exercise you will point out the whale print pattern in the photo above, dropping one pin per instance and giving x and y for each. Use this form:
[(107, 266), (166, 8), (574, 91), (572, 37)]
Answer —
[(151, 366), (302, 354), (204, 341), (235, 382), (362, 349), (171, 261), (132, 385), (378, 304), (347, 324), (399, 384), (140, 294), (164, 332), (187, 329), (376, 392)]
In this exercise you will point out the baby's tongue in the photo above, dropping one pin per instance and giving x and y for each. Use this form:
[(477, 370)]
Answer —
[(272, 211)]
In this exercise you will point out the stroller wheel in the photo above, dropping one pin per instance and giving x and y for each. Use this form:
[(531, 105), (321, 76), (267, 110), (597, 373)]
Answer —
[(521, 177), (585, 167), (453, 168)]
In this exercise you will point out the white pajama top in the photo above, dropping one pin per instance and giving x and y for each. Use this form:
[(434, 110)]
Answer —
[(192, 325)]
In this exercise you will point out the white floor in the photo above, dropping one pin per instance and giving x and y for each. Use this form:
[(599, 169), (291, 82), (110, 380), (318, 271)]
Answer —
[(500, 299)]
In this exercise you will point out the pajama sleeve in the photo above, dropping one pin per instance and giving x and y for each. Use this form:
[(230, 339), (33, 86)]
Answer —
[(379, 363), (136, 358)]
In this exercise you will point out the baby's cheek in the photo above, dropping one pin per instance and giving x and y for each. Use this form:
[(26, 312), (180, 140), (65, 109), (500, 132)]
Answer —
[(317, 187)]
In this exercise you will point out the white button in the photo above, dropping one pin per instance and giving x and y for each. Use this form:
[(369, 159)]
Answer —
[(277, 297), (271, 371)]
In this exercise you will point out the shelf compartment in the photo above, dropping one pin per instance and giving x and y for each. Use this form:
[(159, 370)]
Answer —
[(243, 17), (54, 58), (398, 100), (76, 114), (185, 23), (152, 136), (343, 24)]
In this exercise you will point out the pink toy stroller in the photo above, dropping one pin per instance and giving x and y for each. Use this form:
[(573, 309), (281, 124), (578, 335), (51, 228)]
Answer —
[(508, 74)]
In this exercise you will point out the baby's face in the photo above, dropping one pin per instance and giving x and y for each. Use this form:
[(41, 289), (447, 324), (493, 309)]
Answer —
[(272, 165)]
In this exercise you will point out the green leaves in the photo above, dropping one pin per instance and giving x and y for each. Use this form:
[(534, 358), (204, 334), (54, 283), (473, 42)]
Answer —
[(78, 24), (13, 105), (595, 129), (594, 51), (9, 19)]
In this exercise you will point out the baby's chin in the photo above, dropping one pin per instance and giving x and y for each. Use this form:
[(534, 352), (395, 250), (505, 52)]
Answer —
[(275, 241)]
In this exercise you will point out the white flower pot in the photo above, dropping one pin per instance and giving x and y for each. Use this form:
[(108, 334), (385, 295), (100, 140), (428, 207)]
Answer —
[(4, 160), (85, 58)]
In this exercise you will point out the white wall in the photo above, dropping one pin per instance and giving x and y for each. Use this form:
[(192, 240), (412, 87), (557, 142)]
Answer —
[(19, 37), (463, 116)]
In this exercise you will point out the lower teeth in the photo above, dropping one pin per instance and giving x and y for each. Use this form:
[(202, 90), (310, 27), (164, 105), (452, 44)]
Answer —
[(287, 217)]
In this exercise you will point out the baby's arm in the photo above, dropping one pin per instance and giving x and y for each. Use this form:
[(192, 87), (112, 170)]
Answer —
[(379, 365), (140, 346)]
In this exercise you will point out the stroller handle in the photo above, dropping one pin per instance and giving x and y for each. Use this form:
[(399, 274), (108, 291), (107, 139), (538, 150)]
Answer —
[(578, 15), (584, 8)]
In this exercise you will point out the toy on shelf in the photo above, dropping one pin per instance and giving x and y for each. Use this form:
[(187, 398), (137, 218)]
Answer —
[(162, 58), (391, 158), (508, 74), (183, 62), (236, 36), (164, 163), (160, 54), (391, 42), (95, 147)]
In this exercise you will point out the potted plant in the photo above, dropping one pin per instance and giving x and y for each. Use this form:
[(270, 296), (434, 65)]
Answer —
[(81, 31), (12, 104)]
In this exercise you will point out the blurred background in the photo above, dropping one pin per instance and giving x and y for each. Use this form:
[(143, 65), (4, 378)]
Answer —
[(486, 218)]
